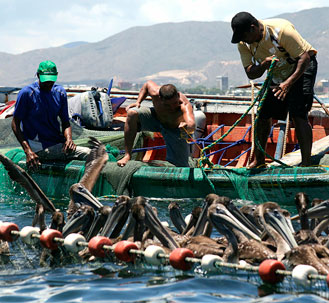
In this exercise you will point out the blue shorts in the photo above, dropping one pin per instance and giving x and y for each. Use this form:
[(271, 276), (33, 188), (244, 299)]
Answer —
[(177, 147)]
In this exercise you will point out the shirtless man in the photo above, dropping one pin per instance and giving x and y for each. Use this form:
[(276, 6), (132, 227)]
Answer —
[(171, 114)]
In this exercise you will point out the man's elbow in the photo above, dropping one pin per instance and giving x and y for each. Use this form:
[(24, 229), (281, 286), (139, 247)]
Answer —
[(251, 73), (252, 76), (65, 124), (14, 124)]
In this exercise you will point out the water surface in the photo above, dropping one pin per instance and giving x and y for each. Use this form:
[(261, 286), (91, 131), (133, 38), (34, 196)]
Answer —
[(23, 280)]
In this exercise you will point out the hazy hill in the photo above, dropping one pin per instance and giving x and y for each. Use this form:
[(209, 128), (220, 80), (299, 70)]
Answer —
[(187, 53)]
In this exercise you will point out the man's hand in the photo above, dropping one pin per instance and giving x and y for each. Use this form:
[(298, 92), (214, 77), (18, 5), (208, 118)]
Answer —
[(281, 90), (136, 104), (267, 62), (32, 160), (184, 127), (255, 71), (184, 131), (69, 146)]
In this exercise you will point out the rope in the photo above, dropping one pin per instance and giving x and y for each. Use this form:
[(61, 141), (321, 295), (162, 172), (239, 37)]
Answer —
[(191, 138), (285, 136), (263, 92), (108, 197), (204, 160), (252, 123), (217, 264)]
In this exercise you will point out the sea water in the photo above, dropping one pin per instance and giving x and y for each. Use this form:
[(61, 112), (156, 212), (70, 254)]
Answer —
[(23, 280)]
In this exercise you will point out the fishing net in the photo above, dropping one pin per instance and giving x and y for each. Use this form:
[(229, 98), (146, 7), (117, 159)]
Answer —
[(278, 184), (274, 183), (55, 178)]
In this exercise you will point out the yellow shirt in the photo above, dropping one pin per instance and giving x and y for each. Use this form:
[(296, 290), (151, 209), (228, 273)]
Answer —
[(281, 39)]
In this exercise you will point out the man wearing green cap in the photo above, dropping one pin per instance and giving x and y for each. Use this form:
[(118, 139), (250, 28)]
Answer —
[(35, 122)]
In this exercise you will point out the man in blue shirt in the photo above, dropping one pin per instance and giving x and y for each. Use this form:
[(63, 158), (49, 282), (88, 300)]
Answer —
[(35, 122)]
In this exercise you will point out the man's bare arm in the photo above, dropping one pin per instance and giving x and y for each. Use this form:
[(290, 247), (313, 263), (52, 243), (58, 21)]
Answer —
[(69, 145), (32, 159), (149, 88), (188, 115), (256, 71), (281, 91)]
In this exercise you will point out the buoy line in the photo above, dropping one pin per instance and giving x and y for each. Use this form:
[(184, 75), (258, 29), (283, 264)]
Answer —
[(270, 271)]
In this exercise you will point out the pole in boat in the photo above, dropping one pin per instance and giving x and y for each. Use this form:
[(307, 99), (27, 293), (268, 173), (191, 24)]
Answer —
[(110, 87), (321, 103)]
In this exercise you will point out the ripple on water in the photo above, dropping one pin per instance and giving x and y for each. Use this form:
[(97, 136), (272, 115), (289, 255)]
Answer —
[(25, 281)]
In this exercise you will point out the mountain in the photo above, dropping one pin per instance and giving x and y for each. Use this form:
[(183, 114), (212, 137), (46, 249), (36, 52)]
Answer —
[(185, 53), (74, 44)]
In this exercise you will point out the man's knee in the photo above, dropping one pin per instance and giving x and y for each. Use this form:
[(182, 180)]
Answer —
[(132, 113), (132, 116)]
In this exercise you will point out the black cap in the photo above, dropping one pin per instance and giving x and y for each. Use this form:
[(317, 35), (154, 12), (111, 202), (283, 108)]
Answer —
[(240, 24)]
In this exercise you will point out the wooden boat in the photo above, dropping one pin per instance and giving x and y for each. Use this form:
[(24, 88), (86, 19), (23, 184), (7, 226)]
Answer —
[(153, 178)]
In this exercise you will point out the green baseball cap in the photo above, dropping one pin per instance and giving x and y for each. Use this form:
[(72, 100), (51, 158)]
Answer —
[(47, 71)]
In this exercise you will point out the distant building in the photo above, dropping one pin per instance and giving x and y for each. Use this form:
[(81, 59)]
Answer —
[(325, 86), (124, 85), (322, 86), (136, 86), (222, 83)]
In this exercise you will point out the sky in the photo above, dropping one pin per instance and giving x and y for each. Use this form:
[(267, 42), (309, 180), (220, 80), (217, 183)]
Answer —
[(29, 25)]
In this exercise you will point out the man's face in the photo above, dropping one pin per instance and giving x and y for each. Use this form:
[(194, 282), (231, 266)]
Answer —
[(251, 36), (47, 85), (172, 104)]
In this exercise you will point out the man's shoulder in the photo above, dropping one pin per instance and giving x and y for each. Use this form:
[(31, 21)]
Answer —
[(29, 89), (59, 89), (276, 23)]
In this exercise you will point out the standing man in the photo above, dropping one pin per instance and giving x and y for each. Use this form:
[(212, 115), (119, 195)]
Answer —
[(35, 122), (171, 114), (293, 76)]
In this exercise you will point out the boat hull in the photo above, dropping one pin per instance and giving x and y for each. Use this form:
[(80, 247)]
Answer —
[(257, 185)]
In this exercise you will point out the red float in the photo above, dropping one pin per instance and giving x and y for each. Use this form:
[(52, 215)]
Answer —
[(122, 249), (177, 258), (47, 238), (327, 280), (267, 271), (96, 244), (5, 231)]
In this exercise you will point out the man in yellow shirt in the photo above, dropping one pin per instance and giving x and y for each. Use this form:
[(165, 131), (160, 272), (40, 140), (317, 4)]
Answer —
[(293, 76)]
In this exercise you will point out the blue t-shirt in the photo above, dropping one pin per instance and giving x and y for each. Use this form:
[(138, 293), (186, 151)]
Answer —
[(39, 111)]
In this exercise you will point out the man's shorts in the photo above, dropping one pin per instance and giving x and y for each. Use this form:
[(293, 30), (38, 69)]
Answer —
[(177, 147), (298, 100)]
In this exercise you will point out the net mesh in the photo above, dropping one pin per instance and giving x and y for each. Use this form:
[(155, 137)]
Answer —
[(258, 185), (55, 178), (276, 183)]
